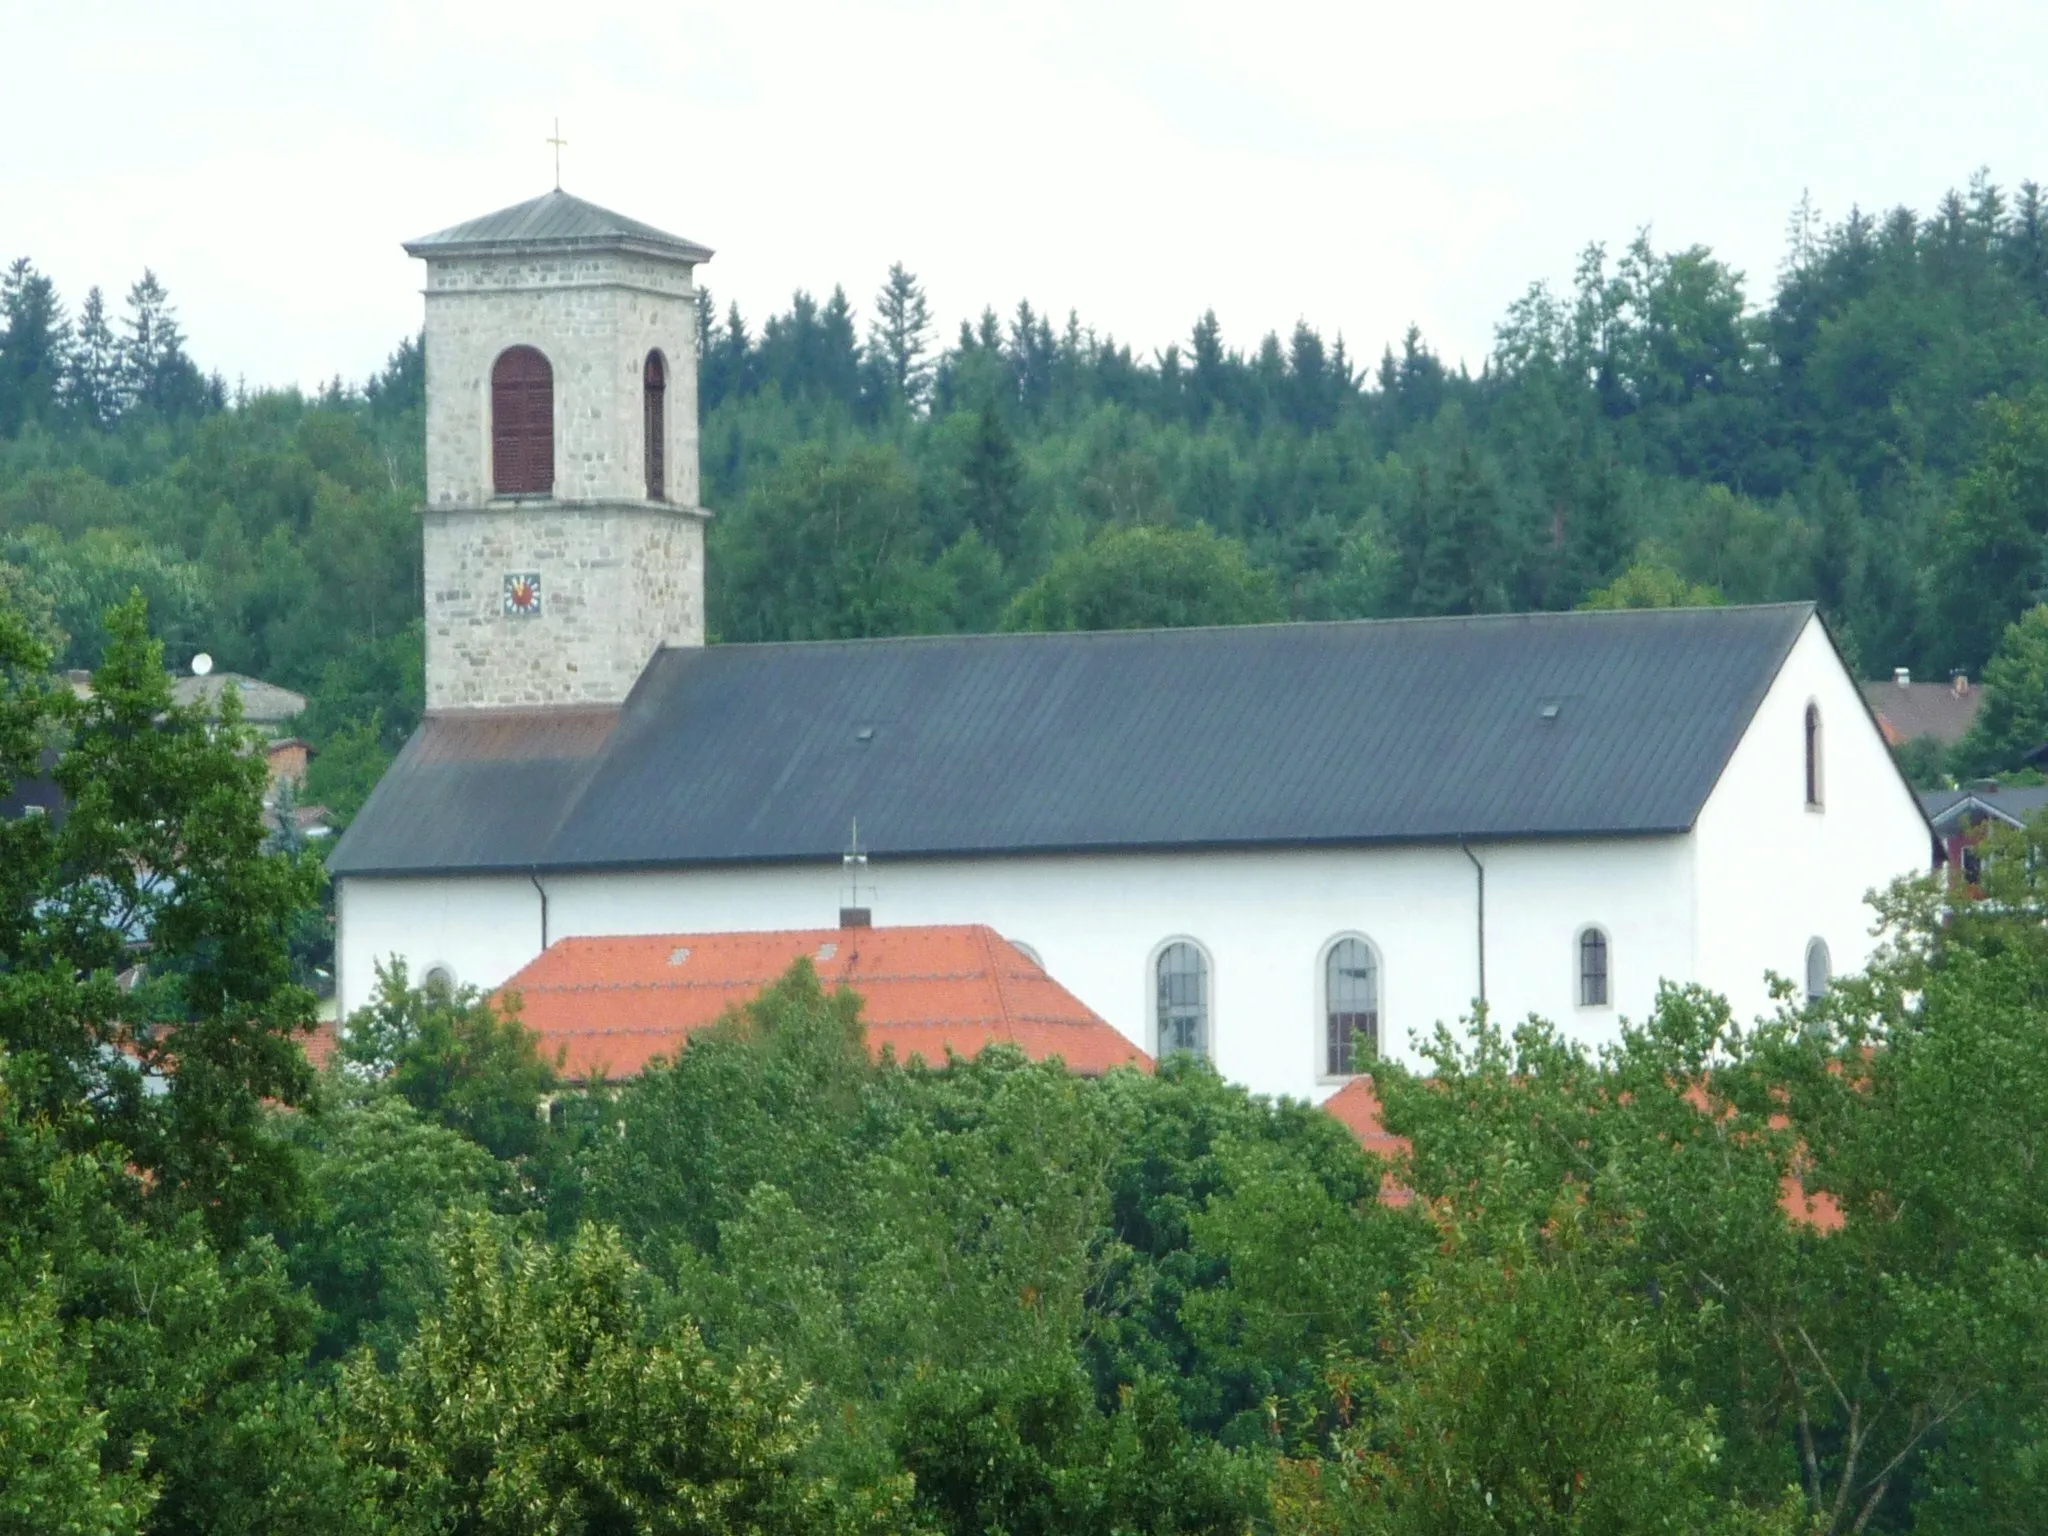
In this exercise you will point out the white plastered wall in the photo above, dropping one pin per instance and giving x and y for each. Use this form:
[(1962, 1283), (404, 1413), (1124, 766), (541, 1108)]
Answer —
[(1773, 874), (1264, 919)]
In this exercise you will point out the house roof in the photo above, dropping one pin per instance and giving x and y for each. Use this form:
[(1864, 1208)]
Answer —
[(320, 1044), (2014, 805), (615, 1004), (1908, 711), (263, 703), (553, 219), (1408, 730)]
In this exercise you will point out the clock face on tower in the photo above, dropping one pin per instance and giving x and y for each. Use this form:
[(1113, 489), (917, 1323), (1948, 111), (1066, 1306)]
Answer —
[(522, 594)]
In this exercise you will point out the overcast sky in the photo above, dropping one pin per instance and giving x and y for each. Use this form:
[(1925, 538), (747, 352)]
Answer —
[(1355, 163)]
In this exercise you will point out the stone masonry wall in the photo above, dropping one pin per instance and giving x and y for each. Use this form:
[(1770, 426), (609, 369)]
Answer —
[(617, 583), (595, 318), (619, 576)]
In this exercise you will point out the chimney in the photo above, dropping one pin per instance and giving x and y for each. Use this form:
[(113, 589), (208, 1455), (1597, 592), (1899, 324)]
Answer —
[(1959, 684), (856, 917), (1903, 676)]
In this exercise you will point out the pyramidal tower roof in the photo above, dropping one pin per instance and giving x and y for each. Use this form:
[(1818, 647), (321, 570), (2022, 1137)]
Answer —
[(558, 220)]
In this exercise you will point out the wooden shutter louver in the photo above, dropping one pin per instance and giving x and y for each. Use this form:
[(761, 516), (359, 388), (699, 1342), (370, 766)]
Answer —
[(655, 380), (523, 424)]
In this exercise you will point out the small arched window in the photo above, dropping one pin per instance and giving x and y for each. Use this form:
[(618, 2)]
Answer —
[(522, 424), (654, 392), (1351, 1006), (1592, 968), (1182, 998), (1813, 761), (1819, 969)]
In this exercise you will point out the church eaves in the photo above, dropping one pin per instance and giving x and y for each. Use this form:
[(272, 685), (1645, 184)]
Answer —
[(1339, 734), (555, 219)]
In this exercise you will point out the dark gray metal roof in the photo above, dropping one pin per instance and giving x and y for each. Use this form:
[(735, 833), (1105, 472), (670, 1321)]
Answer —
[(1413, 730), (557, 219)]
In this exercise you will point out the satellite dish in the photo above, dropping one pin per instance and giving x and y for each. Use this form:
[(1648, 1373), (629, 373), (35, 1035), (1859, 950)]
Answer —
[(201, 664)]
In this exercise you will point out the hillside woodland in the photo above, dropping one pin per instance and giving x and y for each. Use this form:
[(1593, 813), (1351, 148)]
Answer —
[(1872, 435), (1745, 1276)]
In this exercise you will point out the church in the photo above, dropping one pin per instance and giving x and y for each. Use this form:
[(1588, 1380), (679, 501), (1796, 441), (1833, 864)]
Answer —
[(1289, 847)]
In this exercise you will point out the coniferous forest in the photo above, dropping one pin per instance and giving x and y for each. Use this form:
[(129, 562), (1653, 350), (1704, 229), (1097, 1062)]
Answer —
[(1783, 1275)]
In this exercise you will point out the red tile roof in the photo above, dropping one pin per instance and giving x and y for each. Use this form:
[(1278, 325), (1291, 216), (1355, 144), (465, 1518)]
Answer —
[(615, 1004), (1357, 1107), (319, 1045)]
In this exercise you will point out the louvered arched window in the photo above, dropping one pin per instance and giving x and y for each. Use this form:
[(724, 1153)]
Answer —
[(523, 424), (654, 392)]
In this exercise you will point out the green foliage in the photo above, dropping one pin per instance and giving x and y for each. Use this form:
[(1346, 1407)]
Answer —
[(828, 547), (50, 1474), (1141, 577), (456, 1058), (342, 774), (1023, 1449), (541, 1398), (1647, 585), (1925, 762), (2013, 719), (382, 1182), (161, 854), (1992, 538), (1521, 1395)]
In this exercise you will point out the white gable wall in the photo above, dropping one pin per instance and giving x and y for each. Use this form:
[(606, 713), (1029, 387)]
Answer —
[(1264, 918), (1773, 874)]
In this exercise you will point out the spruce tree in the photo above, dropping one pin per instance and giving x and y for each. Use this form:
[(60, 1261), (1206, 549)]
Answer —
[(990, 481), (838, 360), (1209, 370), (1311, 394), (1599, 530), (1463, 529), (154, 371), (1030, 354), (34, 339), (899, 339), (92, 375)]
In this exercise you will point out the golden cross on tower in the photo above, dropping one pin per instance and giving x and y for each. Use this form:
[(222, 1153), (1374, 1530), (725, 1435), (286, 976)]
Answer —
[(558, 141)]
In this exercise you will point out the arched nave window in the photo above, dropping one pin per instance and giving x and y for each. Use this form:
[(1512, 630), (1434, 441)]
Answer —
[(1813, 757), (1592, 968), (522, 423), (1819, 968), (1181, 998), (1351, 1006)]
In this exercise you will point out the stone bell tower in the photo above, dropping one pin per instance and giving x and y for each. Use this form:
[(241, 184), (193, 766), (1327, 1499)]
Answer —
[(563, 543)]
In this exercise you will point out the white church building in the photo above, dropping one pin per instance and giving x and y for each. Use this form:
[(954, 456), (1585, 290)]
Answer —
[(1258, 843)]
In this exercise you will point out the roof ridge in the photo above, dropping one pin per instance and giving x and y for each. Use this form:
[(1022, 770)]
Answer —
[(555, 218), (985, 936), (1416, 620)]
